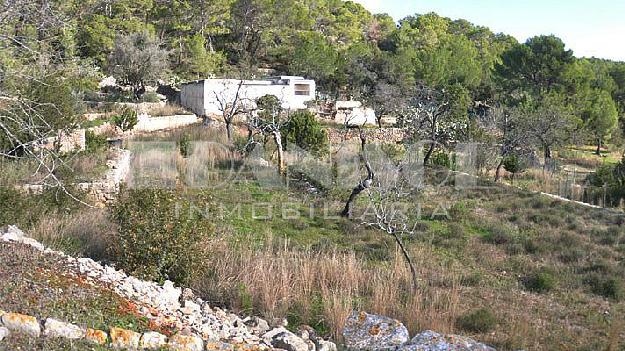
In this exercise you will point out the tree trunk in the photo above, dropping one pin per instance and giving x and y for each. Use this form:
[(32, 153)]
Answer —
[(547, 153), (598, 152), (362, 185), (229, 129), (498, 171), (428, 154), (413, 271), (277, 138)]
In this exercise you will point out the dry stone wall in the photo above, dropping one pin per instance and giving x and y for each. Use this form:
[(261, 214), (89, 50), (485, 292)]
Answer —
[(381, 135), (103, 191)]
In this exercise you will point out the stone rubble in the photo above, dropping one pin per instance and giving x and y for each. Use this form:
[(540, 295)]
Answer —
[(370, 332), (197, 321)]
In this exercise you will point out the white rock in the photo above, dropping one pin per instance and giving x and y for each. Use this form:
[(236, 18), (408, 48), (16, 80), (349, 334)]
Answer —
[(190, 307), (323, 345), (57, 329), (4, 332), (153, 340)]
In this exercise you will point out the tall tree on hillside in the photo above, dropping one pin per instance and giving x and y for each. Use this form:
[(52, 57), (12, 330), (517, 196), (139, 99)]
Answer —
[(535, 66), (550, 124), (601, 117), (39, 85)]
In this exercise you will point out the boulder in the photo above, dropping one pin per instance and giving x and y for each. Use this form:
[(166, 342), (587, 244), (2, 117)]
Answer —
[(153, 340), (181, 342), (124, 339), (371, 332), (57, 329), (22, 324), (283, 339), (96, 336), (258, 325), (4, 332), (323, 345), (433, 341)]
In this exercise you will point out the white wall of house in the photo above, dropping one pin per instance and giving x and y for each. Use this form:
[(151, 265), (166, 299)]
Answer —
[(203, 97)]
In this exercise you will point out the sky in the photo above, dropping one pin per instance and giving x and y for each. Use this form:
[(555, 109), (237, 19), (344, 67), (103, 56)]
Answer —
[(588, 27)]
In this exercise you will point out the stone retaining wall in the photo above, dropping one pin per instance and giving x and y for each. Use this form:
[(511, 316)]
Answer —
[(146, 124), (66, 142), (103, 191), (381, 135)]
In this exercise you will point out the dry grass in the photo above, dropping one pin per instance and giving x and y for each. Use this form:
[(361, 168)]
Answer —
[(168, 110), (86, 233), (327, 286)]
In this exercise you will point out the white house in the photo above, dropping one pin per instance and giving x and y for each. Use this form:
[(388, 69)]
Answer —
[(208, 96)]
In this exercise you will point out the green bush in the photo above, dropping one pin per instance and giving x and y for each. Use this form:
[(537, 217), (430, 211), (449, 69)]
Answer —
[(184, 145), (479, 321), (150, 97), (606, 286), (126, 120), (94, 142), (161, 233), (305, 131), (540, 282)]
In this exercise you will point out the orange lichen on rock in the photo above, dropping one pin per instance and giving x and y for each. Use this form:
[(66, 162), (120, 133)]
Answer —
[(122, 338), (181, 342), (22, 323), (96, 336), (374, 330), (362, 316)]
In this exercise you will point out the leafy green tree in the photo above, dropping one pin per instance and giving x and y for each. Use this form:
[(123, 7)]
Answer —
[(202, 62), (536, 66), (137, 60), (601, 117), (313, 57)]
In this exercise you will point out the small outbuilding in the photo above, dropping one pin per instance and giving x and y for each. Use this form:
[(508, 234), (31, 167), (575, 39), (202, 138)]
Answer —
[(209, 96)]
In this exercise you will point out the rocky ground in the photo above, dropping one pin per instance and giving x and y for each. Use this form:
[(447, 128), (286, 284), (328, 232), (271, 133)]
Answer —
[(44, 283)]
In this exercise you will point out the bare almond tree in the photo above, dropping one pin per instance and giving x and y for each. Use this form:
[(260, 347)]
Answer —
[(389, 192), (267, 120), (230, 105)]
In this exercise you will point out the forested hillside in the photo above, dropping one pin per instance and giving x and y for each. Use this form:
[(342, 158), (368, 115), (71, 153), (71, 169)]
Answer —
[(349, 51)]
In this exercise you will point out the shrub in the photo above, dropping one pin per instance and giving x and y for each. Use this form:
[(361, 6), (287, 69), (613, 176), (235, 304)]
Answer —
[(150, 97), (540, 282), (479, 321), (514, 164), (184, 145), (160, 233), (609, 287), (305, 131), (94, 142), (126, 120)]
